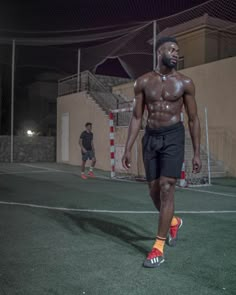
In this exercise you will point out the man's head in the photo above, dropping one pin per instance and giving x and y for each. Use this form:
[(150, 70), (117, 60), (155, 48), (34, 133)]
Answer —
[(88, 126), (168, 51)]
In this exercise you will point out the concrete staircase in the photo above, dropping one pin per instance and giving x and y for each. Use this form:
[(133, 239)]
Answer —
[(111, 81), (101, 92)]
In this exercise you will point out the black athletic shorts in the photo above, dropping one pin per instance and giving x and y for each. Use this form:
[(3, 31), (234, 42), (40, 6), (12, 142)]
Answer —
[(163, 151), (89, 155)]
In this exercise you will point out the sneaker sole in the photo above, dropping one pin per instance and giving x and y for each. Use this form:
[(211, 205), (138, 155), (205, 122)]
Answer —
[(93, 176), (149, 264)]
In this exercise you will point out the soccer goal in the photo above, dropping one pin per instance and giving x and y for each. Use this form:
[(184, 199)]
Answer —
[(119, 119)]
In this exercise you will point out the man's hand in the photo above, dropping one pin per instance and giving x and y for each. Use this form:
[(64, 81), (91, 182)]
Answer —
[(126, 160), (197, 164), (84, 150)]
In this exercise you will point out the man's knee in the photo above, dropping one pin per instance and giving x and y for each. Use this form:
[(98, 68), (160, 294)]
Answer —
[(93, 160), (154, 187), (167, 185)]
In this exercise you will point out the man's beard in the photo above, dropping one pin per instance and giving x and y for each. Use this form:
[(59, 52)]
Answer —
[(167, 62)]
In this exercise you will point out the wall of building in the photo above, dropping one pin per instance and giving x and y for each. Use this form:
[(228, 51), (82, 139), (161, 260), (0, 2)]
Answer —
[(215, 89), (219, 45), (82, 108), (205, 44), (192, 47), (28, 149)]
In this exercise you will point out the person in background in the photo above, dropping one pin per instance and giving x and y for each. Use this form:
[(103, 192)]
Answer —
[(87, 150)]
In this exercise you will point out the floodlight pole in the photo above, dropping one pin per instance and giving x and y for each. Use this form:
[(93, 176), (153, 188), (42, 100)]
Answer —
[(78, 70), (12, 97), (154, 43)]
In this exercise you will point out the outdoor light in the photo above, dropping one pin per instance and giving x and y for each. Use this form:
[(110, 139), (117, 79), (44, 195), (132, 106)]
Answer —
[(30, 133)]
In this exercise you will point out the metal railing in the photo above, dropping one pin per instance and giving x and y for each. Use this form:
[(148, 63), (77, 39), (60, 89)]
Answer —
[(68, 85), (101, 94), (105, 98)]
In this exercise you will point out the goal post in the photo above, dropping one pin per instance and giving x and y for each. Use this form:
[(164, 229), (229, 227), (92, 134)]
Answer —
[(117, 146), (204, 177)]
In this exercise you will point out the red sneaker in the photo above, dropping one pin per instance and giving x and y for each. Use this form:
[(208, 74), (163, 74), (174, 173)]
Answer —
[(173, 233), (91, 174), (83, 176), (154, 258)]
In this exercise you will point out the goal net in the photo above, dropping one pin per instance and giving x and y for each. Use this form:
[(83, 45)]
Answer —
[(119, 120)]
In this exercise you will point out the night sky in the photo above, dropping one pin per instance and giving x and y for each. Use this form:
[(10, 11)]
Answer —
[(41, 18), (31, 19), (68, 15)]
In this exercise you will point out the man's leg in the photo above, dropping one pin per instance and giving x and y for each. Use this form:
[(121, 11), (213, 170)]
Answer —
[(167, 190), (83, 170), (93, 162), (176, 222), (162, 193), (154, 192)]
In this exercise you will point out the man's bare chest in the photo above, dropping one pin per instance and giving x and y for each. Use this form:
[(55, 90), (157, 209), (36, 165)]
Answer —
[(170, 90)]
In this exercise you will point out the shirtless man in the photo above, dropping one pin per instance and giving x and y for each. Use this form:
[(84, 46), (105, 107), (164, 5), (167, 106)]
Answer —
[(164, 92)]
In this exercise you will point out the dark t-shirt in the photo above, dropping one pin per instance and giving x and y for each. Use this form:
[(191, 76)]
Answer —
[(87, 138)]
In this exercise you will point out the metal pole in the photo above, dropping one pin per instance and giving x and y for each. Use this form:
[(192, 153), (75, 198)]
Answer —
[(208, 149), (78, 70), (154, 44), (112, 144), (12, 96)]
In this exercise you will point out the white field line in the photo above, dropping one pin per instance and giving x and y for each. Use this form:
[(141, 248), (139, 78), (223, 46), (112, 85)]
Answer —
[(108, 178), (25, 172), (43, 168), (109, 211), (210, 192)]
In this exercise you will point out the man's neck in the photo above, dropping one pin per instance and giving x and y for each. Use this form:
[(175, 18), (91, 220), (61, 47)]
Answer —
[(163, 70)]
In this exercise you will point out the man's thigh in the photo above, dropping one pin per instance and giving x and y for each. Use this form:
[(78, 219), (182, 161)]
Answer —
[(91, 155)]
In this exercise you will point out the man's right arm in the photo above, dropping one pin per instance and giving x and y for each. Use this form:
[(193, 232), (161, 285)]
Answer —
[(135, 122)]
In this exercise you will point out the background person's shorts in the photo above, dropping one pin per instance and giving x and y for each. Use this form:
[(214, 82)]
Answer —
[(163, 151), (89, 155)]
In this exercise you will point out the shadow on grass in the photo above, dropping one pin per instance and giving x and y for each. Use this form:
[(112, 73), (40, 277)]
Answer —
[(118, 230)]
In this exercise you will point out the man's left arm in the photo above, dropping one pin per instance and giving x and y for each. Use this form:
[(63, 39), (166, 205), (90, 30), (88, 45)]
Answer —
[(92, 144), (193, 123), (93, 149)]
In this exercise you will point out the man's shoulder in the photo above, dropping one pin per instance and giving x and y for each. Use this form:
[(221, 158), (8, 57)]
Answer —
[(142, 80), (146, 76), (187, 82), (184, 78), (83, 133)]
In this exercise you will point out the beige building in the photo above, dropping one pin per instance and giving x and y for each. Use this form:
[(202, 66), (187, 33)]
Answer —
[(208, 50), (215, 89), (204, 39)]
